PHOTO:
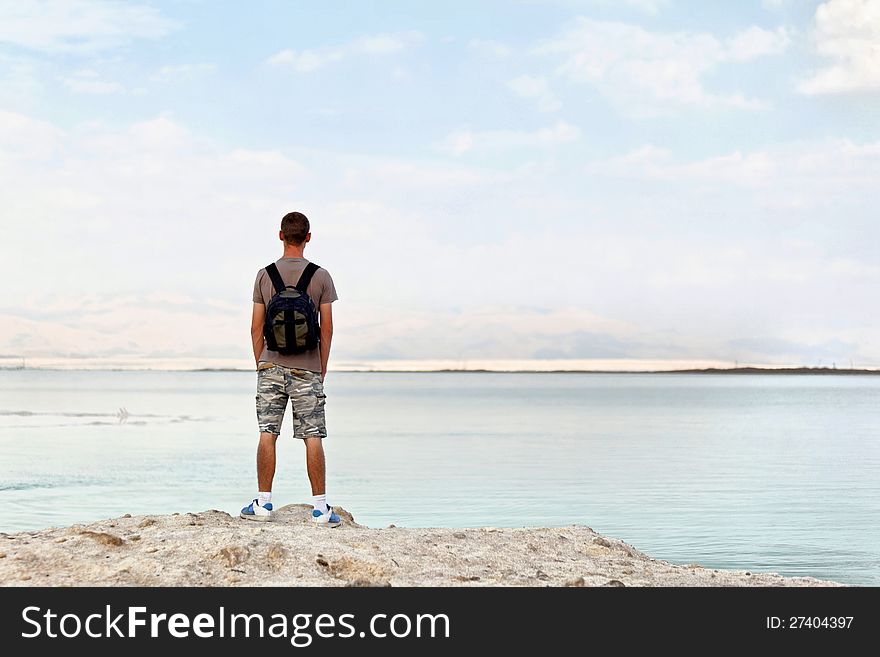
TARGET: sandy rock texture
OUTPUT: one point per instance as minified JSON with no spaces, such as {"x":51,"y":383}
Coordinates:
{"x":215,"y":549}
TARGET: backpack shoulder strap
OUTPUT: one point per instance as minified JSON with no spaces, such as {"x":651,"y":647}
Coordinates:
{"x":275,"y":277}
{"x":306,"y":278}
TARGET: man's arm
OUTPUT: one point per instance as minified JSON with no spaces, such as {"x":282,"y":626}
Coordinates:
{"x":257,"y":321}
{"x":326,"y":312}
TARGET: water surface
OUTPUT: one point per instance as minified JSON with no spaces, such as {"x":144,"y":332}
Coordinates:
{"x":762,"y":472}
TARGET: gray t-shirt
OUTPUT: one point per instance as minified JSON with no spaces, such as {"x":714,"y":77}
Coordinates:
{"x":321,"y":289}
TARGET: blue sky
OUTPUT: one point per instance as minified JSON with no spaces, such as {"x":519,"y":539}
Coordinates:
{"x":587,"y":181}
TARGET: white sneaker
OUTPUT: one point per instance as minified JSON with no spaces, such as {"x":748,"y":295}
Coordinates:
{"x":328,"y":519}
{"x":254,"y":511}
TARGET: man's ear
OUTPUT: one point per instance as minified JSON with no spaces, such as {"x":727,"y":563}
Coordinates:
{"x":281,"y":235}
{"x":308,"y":237}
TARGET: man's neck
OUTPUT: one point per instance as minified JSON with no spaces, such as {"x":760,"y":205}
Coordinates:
{"x":293,"y":252}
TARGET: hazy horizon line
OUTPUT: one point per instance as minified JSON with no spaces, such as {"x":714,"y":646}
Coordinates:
{"x":796,"y":370}
{"x":598,"y":365}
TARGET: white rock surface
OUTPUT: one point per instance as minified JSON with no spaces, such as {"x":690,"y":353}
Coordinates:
{"x":215,"y":549}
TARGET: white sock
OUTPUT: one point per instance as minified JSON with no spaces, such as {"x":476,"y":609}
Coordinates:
{"x":264,"y":498}
{"x":320,"y":502}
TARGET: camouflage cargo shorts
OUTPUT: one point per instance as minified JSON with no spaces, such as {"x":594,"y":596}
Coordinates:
{"x":276,"y":385}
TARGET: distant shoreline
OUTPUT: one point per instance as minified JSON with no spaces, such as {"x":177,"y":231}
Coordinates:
{"x":800,"y":371}
{"x":707,"y":370}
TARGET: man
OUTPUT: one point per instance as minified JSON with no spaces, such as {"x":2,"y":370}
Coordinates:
{"x":298,"y":378}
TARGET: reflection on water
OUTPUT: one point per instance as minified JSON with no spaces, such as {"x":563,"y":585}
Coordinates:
{"x":121,"y":416}
{"x":758,"y":472}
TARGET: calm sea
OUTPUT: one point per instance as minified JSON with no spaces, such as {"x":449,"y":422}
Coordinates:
{"x":762,"y":472}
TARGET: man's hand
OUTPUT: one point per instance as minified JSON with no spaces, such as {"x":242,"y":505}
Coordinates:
{"x":257,"y":321}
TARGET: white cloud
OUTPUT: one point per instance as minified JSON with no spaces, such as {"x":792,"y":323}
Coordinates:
{"x":59,"y":26}
{"x":128,"y":199}
{"x":20,"y":82}
{"x":647,"y":6}
{"x":655,"y":163}
{"x":651,"y":7}
{"x":87,"y":81}
{"x":305,"y":61}
{"x":181,"y":71}
{"x":464,"y":141}
{"x":788,"y":178}
{"x":757,"y":42}
{"x":847,"y":32}
{"x":489,"y":47}
{"x":24,"y":138}
{"x":536,"y":89}
{"x":384,"y":43}
{"x":650,"y":72}
{"x":105,"y":181}
{"x":648,"y":256}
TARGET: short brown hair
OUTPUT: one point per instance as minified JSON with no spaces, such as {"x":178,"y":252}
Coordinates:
{"x":295,"y":226}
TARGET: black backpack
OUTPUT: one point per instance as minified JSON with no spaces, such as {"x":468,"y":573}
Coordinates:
{"x":291,"y":325}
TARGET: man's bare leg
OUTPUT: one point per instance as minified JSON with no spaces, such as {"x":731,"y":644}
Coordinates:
{"x":314,"y":464}
{"x":261,"y":507}
{"x":266,"y":462}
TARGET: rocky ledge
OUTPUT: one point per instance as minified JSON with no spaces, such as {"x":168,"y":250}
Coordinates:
{"x":215,"y":549}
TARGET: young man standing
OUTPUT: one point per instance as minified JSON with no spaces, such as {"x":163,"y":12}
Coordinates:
{"x":297,"y":377}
